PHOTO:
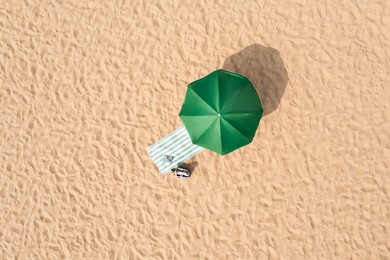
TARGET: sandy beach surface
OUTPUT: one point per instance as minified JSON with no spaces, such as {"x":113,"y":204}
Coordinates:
{"x":87,"y":86}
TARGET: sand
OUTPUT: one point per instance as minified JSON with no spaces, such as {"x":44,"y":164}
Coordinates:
{"x":87,"y":86}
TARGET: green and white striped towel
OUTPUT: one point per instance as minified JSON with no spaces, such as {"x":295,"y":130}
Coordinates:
{"x":177,"y":144}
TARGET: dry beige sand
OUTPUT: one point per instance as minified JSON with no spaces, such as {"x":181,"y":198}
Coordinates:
{"x":87,"y":86}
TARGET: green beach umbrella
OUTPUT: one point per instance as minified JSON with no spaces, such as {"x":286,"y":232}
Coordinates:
{"x":221,"y":111}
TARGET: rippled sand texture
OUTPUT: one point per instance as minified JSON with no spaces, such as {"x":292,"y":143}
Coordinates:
{"x":87,"y":86}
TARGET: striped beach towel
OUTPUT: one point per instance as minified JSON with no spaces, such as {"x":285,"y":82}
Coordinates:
{"x":176,"y":146}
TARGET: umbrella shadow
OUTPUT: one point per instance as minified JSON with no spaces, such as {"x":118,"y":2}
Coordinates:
{"x":189,"y":166}
{"x":264,"y":67}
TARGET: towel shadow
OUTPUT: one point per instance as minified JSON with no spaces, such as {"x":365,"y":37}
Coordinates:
{"x":264,"y":67}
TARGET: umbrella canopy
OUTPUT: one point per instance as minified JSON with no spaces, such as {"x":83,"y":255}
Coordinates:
{"x":221,"y":111}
